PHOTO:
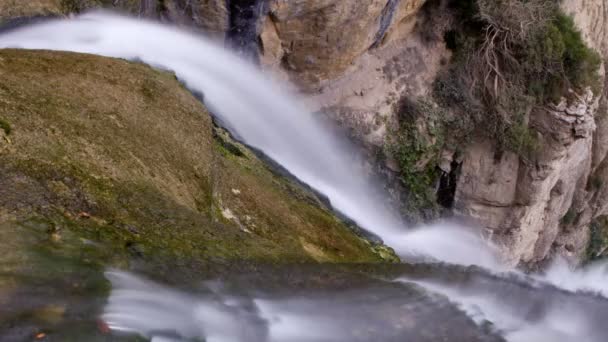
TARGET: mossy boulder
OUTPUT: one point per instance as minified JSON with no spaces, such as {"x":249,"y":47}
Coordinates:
{"x":18,"y":10}
{"x":115,"y":152}
{"x":10,"y":9}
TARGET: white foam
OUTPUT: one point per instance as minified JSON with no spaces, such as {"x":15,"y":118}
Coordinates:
{"x":591,"y":278}
{"x":449,"y":243}
{"x":542,"y":321}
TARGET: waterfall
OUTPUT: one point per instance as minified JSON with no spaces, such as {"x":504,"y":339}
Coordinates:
{"x":253,"y":108}
{"x":263,"y":115}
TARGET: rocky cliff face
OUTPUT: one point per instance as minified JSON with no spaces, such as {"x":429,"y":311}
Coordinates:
{"x":545,"y":205}
{"x":354,"y":60}
{"x":535,"y":207}
{"x":319,"y":40}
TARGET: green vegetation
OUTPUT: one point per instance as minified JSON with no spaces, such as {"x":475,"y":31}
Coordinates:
{"x":415,"y":145}
{"x":598,"y":239}
{"x":10,"y":9}
{"x":115,"y":164}
{"x":5,"y":126}
{"x":570,"y":217}
{"x":71,"y":6}
{"x":510,"y":58}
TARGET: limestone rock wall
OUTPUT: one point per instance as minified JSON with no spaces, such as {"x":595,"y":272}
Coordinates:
{"x":530,"y":205}
{"x":543,"y":206}
{"x":320,"y":39}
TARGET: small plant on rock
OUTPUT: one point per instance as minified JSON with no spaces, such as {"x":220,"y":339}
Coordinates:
{"x":511,"y":57}
{"x":5,"y":126}
{"x":415,"y":146}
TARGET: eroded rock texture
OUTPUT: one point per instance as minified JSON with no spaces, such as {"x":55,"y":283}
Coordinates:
{"x":320,"y":39}
{"x":531,"y":205}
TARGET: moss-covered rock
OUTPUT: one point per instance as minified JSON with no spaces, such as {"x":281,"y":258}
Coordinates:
{"x":76,"y":6}
{"x":24,"y":9}
{"x":19,"y":8}
{"x":116,"y":152}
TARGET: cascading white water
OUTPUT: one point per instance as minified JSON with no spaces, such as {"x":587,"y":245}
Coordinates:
{"x":382,"y":312}
{"x":525,"y":314}
{"x":520,"y":311}
{"x":155,"y":311}
{"x":268,"y":118}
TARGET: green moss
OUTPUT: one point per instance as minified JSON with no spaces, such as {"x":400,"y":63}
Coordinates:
{"x":264,"y":202}
{"x":225,"y":146}
{"x":5,"y":126}
{"x":10,"y":9}
{"x":570,"y":217}
{"x":595,"y":182}
{"x":598,"y":239}
{"x":415,"y":145}
{"x":71,"y":6}
{"x":386,"y":253}
{"x":147,"y":169}
{"x":148,"y":89}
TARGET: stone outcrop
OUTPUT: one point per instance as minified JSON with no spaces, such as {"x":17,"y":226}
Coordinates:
{"x":529,"y":204}
{"x":591,"y":16}
{"x":112,"y":150}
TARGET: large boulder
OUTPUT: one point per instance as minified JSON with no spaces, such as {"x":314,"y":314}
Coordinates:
{"x":116,"y":152}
